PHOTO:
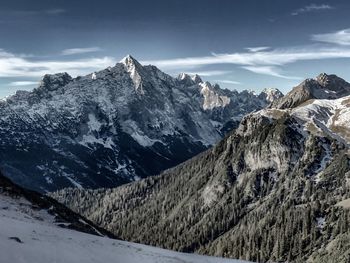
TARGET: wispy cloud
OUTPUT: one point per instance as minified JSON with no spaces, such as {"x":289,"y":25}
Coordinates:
{"x":75,"y":51}
{"x":52,"y":11}
{"x":12,"y":65}
{"x":311,"y":8}
{"x":341,"y":37}
{"x":268,"y":70}
{"x":265,"y":62}
{"x":226,"y":81}
{"x":23,"y":83}
{"x":210,"y":73}
{"x":256,"y":49}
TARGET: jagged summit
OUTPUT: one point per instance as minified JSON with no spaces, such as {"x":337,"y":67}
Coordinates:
{"x":197,"y":79}
{"x":271,"y":94}
{"x":334,"y":83}
{"x":325,"y":79}
{"x":188,"y":79}
{"x":129,"y":60}
{"x":55,"y":81}
{"x":184,"y":76}
{"x":135,"y":69}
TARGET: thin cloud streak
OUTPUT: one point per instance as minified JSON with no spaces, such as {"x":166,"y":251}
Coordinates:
{"x":23,"y":83}
{"x":269,"y":70}
{"x":341,"y":37}
{"x":12,"y":65}
{"x":311,"y":8}
{"x":256,"y":49}
{"x":226,"y":81}
{"x":258,"y":62}
{"x":75,"y":51}
{"x":210,"y":73}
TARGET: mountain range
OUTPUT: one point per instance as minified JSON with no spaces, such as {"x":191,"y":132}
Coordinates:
{"x":114,"y":126}
{"x":275,"y":189}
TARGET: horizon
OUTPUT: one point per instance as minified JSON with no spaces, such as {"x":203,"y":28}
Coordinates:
{"x":246,"y":46}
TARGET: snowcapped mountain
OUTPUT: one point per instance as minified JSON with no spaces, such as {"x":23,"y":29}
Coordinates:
{"x":276,"y":189}
{"x":270,"y":94}
{"x":113,"y":126}
{"x":36,"y":229}
{"x":322,"y":87}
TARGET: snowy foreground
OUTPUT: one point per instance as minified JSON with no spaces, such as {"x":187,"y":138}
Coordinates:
{"x":28,"y":235}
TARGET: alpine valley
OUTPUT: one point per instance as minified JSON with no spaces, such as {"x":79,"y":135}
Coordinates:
{"x":275,"y":189}
{"x":114,"y":126}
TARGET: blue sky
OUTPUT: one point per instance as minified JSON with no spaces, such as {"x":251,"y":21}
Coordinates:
{"x":238,"y":44}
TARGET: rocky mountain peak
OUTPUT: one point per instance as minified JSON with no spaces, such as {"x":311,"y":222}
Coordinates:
{"x":186,"y":79}
{"x":135,"y":69}
{"x":197,"y":79}
{"x":324,"y":86}
{"x":130,"y":61}
{"x":323,"y":78}
{"x":184,"y":76}
{"x":271,"y":94}
{"x":332,"y":82}
{"x":54,"y":81}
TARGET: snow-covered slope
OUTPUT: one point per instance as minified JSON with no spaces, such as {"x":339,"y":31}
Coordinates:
{"x":29,"y":234}
{"x":41,"y":243}
{"x":321,"y":117}
{"x":113,"y":126}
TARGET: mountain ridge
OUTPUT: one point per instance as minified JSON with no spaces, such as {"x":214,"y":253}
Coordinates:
{"x":113,"y":126}
{"x":324,"y":86}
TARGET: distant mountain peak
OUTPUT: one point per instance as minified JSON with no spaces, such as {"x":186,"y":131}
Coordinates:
{"x":129,"y":60}
{"x":268,"y":90}
{"x":183,"y":76}
{"x":331,"y":81}
{"x":134,"y":68}
{"x":197,"y":79}
{"x":324,"y":78}
{"x":188,"y":79}
{"x":324,"y":86}
{"x":271,"y":94}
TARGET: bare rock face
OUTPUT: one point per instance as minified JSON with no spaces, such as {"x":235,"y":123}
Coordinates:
{"x":114,"y":126}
